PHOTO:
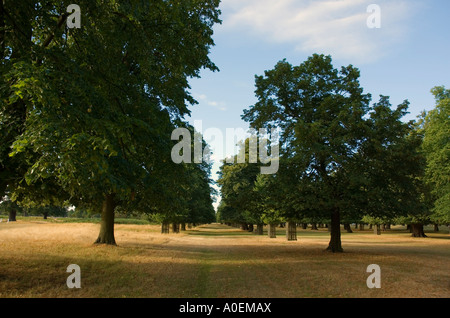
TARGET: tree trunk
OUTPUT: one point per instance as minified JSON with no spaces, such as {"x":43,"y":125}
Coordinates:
{"x":45,"y":216}
{"x":165,"y":226}
{"x":348,"y":228}
{"x":183,"y":226}
{"x":12,"y":215}
{"x":314,"y":226}
{"x":377,"y":229}
{"x":175,"y":228}
{"x":335,"y":244}
{"x":272,"y":230}
{"x":417,"y":230}
{"x":106,"y":235}
{"x":259,"y":229}
{"x":436,"y":227}
{"x":291,"y":231}
{"x":250,"y":227}
{"x":361,"y":226}
{"x":304,"y":226}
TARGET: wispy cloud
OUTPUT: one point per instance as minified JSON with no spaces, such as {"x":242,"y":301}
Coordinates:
{"x":202,"y":98}
{"x":336,"y":27}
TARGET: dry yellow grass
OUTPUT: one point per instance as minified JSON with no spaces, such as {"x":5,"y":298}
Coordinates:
{"x":216,"y":261}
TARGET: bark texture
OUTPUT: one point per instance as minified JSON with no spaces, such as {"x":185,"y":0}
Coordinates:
{"x":335,"y":244}
{"x":165,"y":228}
{"x":417,"y":230}
{"x":12,"y":215}
{"x":291,"y":231}
{"x":272,"y":231}
{"x":106,"y":235}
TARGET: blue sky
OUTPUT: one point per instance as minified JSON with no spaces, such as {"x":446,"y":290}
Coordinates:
{"x":403,"y":59}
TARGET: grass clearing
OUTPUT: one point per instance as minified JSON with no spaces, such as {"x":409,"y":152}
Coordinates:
{"x":216,"y":261}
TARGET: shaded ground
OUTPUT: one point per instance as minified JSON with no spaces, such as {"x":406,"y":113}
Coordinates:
{"x":217,"y":261}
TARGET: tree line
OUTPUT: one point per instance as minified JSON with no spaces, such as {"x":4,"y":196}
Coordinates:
{"x":343,"y":158}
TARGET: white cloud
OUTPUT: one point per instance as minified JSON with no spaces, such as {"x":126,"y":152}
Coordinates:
{"x":336,"y":27}
{"x":202,"y":98}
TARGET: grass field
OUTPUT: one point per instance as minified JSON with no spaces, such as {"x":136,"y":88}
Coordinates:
{"x":216,"y":261}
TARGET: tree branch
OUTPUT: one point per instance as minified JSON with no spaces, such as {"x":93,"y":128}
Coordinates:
{"x":61,"y":20}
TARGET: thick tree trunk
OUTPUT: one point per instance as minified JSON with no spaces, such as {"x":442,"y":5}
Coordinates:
{"x":377,"y":229}
{"x":436,"y":227}
{"x":12,"y":215}
{"x":45,"y":216}
{"x":335,"y":244}
{"x":417,"y":230}
{"x":291,"y":231}
{"x":314,"y":227}
{"x":165,"y":226}
{"x":259,"y":229}
{"x":183,"y":226}
{"x":250,"y":227}
{"x":304,"y":226}
{"x":361,"y":226}
{"x":348,"y":228}
{"x":106,"y":235}
{"x":175,"y":228}
{"x":272,"y":230}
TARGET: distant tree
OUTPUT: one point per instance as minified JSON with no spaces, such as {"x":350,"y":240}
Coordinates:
{"x":10,"y":208}
{"x":393,"y":168}
{"x":240,"y":202}
{"x":47,"y":211}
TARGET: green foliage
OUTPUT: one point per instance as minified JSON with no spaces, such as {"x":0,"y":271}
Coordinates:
{"x":237,"y":182}
{"x":340,"y":155}
{"x":436,"y":147}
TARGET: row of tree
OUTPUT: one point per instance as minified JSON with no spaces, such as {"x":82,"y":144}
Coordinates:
{"x":86,"y":114}
{"x":341,"y":157}
{"x":12,"y":209}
